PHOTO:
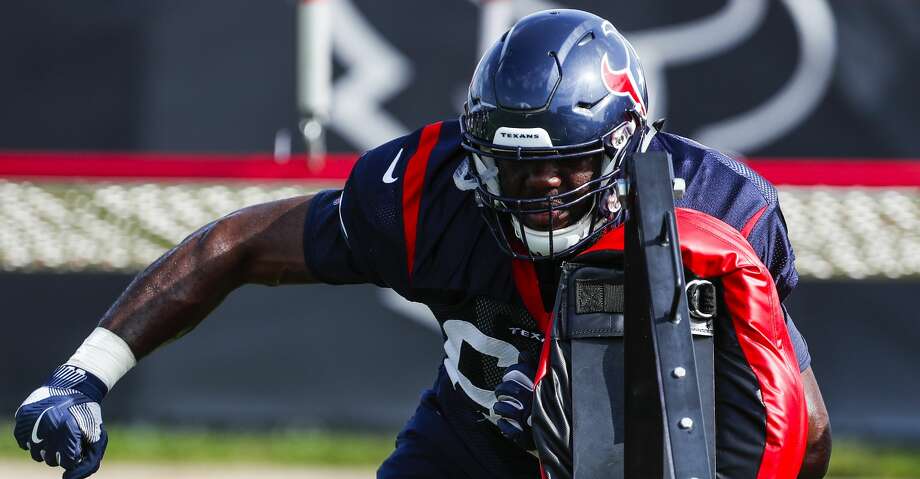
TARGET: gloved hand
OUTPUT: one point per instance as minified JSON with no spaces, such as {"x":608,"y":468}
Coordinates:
{"x":60,"y":423}
{"x":514,"y":403}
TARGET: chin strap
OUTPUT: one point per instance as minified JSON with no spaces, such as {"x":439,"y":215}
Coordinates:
{"x":538,"y":242}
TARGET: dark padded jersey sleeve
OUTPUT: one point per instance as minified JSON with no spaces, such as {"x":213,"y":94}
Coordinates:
{"x":327,"y":252}
{"x":355,"y":235}
{"x":798,"y":342}
{"x":770,"y":238}
{"x":729,"y":190}
{"x":401,"y":222}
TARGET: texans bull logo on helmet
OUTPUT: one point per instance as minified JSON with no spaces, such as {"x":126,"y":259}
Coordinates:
{"x":621,"y":82}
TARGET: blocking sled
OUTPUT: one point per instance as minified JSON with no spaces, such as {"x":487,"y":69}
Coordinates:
{"x":643,"y":377}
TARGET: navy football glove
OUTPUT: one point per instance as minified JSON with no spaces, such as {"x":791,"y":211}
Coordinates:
{"x":514,"y":403}
{"x":60,"y":423}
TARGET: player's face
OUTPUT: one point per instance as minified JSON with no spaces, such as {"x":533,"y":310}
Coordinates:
{"x":537,"y":179}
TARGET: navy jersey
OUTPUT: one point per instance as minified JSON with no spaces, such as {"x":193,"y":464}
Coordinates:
{"x":405,"y":221}
{"x":727,"y":189}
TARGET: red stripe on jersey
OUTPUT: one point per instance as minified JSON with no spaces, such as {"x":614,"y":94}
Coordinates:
{"x":746,"y":230}
{"x":413,"y":184}
{"x":528,"y":287}
{"x":710,"y":248}
{"x":543,"y":363}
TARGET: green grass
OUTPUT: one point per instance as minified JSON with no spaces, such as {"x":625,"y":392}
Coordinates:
{"x":854,"y":459}
{"x":149,"y":444}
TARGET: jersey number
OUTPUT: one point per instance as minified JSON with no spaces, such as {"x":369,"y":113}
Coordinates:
{"x":457,"y":333}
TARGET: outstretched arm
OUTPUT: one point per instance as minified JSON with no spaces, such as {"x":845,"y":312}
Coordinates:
{"x":259,"y":244}
{"x":60,"y":423}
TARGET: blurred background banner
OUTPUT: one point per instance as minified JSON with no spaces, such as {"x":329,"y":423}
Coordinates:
{"x":127,"y":125}
{"x":765,"y":78}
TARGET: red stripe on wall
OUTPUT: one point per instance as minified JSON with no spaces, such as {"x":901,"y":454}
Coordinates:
{"x":170,"y":166}
{"x":413,"y":184}
{"x":838,"y":172}
{"x":263,"y":166}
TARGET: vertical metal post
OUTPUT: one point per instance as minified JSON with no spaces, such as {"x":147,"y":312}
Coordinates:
{"x":314,"y":74}
{"x":495,"y":18}
{"x":665,"y":435}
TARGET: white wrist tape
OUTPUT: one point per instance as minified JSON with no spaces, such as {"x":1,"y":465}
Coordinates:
{"x":105,"y":355}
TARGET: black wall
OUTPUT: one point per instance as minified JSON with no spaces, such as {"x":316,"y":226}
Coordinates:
{"x":338,"y":357}
{"x":219,"y":75}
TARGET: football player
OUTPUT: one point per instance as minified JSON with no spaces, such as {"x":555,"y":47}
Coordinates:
{"x":471,"y":217}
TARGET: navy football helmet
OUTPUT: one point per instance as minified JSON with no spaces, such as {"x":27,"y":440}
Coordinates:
{"x":560,"y":85}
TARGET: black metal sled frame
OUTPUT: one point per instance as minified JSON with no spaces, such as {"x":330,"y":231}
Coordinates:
{"x":665,"y":433}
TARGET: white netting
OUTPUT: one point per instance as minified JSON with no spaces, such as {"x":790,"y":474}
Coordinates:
{"x":110,"y":226}
{"x":836,"y":232}
{"x":854,"y":232}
